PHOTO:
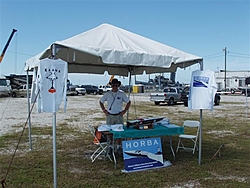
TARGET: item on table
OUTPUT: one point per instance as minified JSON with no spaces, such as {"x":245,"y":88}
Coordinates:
{"x":144,"y":122}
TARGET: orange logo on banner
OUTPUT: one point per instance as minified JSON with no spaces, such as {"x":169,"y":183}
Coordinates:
{"x":52,"y":90}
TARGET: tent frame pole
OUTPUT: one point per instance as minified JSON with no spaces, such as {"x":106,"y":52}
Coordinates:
{"x":28,"y":101}
{"x":129,"y":90}
{"x":53,"y":56}
{"x":200,"y":133}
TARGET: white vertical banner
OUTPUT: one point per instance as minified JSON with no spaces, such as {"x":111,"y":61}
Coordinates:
{"x":52,"y":83}
{"x":202,"y":90}
{"x":201,"y":95}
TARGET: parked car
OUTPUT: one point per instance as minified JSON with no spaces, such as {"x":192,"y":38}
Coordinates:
{"x":21,"y":91}
{"x":80,"y":90}
{"x":92,"y":89}
{"x":243,"y":91}
{"x":105,"y":88}
{"x":170,"y":95}
{"x":185,"y":93}
{"x":125,"y":88}
{"x":71,"y":90}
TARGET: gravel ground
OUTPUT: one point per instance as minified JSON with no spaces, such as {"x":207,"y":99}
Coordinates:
{"x":14,"y":111}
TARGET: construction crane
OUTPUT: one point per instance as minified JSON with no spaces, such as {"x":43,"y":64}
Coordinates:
{"x":7,"y":44}
{"x":111,"y":78}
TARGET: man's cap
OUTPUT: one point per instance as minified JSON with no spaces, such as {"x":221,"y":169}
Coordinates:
{"x":115,"y":82}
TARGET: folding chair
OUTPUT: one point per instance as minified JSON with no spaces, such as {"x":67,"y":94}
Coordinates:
{"x":102,"y":146}
{"x":188,"y":126}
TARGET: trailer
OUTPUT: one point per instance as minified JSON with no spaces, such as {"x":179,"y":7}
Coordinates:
{"x":5,"y":88}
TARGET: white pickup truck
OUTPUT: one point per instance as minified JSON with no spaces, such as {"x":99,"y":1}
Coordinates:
{"x":21,"y":91}
{"x":170,"y":95}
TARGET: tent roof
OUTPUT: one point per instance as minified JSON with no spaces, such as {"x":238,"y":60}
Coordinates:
{"x":112,"y":49}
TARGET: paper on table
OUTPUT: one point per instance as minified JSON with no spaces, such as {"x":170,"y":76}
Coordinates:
{"x":165,"y":121}
{"x":117,"y":127}
{"x":104,"y":127}
{"x":171,"y":126}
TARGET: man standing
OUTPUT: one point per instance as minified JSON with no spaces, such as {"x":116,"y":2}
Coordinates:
{"x":114,"y":111}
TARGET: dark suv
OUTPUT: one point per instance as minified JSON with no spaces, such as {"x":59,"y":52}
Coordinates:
{"x":185,"y":93}
{"x":92,"y":89}
{"x":243,"y":91}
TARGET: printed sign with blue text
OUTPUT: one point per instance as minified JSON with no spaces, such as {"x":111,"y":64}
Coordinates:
{"x":201,"y":81}
{"x":142,"y":154}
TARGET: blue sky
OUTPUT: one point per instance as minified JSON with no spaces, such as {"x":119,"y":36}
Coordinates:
{"x":203,"y":28}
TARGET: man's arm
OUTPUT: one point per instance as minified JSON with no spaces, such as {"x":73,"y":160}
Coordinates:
{"x":126,"y":108}
{"x":103,"y":108}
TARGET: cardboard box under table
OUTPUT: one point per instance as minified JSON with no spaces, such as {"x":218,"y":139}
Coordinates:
{"x":157,"y":131}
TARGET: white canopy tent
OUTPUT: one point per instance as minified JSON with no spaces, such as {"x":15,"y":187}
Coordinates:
{"x":112,"y":49}
{"x":117,"y":51}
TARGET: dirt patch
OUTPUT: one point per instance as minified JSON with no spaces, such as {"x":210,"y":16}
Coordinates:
{"x":83,"y":110}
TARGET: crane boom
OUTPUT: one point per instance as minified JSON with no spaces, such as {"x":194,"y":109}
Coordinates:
{"x":7,"y":44}
{"x":111,"y":78}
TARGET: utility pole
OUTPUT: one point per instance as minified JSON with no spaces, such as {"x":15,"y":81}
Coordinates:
{"x":225,"y":79}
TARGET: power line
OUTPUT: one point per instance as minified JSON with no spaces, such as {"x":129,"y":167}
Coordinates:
{"x":222,"y":54}
{"x":240,"y":53}
{"x":238,"y":56}
{"x":212,"y":55}
{"x":20,"y":53}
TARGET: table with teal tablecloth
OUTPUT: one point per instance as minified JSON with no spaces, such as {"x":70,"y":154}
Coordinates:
{"x":157,"y":131}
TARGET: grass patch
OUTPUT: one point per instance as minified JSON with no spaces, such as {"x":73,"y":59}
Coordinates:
{"x":75,"y":170}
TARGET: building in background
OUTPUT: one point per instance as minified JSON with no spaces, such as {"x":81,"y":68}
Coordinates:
{"x":234,"y":79}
